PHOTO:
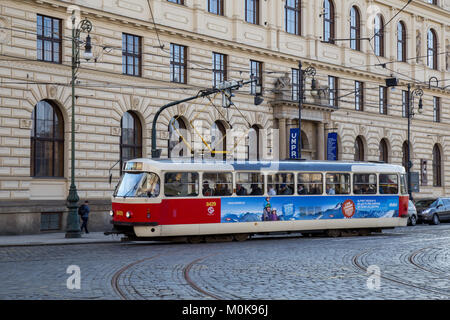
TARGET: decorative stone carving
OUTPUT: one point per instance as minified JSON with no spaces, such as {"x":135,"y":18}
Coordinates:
{"x":283,"y":88}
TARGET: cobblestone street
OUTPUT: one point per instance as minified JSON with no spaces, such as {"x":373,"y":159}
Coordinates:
{"x":412,"y":263}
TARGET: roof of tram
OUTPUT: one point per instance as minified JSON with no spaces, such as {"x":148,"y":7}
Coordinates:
{"x":183,"y":164}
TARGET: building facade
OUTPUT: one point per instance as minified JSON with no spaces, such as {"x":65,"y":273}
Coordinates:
{"x":150,"y":53}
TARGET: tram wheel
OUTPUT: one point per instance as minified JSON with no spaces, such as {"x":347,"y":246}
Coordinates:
{"x":195,"y":239}
{"x":334,"y":233}
{"x":364,"y":232}
{"x":240,"y":237}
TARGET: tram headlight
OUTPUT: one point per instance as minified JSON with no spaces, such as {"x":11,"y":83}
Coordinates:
{"x":128,"y":214}
{"x":111,"y":213}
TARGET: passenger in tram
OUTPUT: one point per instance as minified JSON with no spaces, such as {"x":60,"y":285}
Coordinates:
{"x":285,"y":190}
{"x":330,"y":190}
{"x":240,"y":190}
{"x":222,"y":190}
{"x":207,"y":191}
{"x":272,"y":191}
{"x":175,"y":187}
{"x":256,"y":190}
{"x":301,"y":189}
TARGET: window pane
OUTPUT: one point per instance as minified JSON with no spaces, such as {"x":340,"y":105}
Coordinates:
{"x":181,"y":184}
{"x":309,"y":183}
{"x":280,"y":184}
{"x":252,"y":182}
{"x":388,"y":184}
{"x":364,"y":183}
{"x":337,"y":183}
{"x":217,"y":184}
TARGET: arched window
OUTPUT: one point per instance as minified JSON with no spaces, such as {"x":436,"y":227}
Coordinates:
{"x":401,"y":41}
{"x":131,"y":137}
{"x":177,"y":131}
{"x":379,"y":35}
{"x":437,"y":167}
{"x":254,"y":141}
{"x":405,"y":154}
{"x":328,"y":21}
{"x":359,"y":149}
{"x":47,"y":141}
{"x":355,"y":29}
{"x":384,"y":157}
{"x":218,"y":141}
{"x":432,"y":45}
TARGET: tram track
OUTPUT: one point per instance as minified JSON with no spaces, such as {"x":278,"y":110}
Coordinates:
{"x":412,"y":258}
{"x":357,"y":262}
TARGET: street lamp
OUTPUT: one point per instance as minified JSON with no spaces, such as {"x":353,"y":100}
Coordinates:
{"x":310,"y":71}
{"x":410,"y":113}
{"x":73,"y":223}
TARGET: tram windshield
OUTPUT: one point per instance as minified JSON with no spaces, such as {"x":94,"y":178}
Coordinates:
{"x":138,"y":184}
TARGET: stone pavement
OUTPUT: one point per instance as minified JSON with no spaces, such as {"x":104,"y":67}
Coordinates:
{"x":56,"y":238}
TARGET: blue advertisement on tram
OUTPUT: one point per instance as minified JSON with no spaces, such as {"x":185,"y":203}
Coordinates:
{"x":248,"y":209}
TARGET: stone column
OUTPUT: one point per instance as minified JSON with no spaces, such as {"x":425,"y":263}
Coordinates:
{"x":320,"y":141}
{"x":283,"y":136}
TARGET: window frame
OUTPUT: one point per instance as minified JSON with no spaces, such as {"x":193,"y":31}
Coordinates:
{"x":196,"y":183}
{"x":219,"y":59}
{"x":380,"y":185}
{"x":333,"y":86}
{"x":41,"y":38}
{"x":256,"y":70}
{"x":436,"y":109}
{"x":136,"y":146}
{"x":359,"y":95}
{"x":254,"y":9}
{"x":401,"y":41}
{"x":432,"y":50}
{"x":309,"y":183}
{"x":297,"y":13}
{"x":275,"y":177}
{"x":178,"y":62}
{"x":382,"y":100}
{"x":126,"y":54}
{"x":355,"y":28}
{"x":379,"y":43}
{"x":237,"y":181}
{"x":218,"y":4}
{"x":349,"y":184}
{"x":354,"y":182}
{"x":57,"y":163}
{"x":329,"y":19}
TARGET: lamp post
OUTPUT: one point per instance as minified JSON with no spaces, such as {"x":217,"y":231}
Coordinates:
{"x":310,"y":71}
{"x":410,"y":113}
{"x":73,"y":223}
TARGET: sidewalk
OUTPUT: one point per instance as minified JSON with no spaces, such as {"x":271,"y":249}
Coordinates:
{"x":56,"y":238}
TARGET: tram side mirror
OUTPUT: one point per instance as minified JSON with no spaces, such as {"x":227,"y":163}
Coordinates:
{"x":110,"y":178}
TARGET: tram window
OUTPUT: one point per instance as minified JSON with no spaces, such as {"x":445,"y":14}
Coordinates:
{"x":364,"y":183}
{"x":217,"y":184}
{"x":149,"y":186}
{"x":388,"y":184}
{"x":181,"y":184}
{"x":309,"y":183}
{"x":337,"y":183}
{"x":403,"y":184}
{"x":280,"y":184}
{"x":249,"y":183}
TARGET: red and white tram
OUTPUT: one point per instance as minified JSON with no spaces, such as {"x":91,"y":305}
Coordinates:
{"x":164,"y":199}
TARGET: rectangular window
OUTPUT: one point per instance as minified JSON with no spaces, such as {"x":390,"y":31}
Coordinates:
{"x":177,"y":63}
{"x":309,"y":183}
{"x":436,"y":109}
{"x":255,"y":71}
{"x":249,"y":183}
{"x":333,"y":91}
{"x":383,"y":100}
{"x":280,"y":184}
{"x":295,"y":87}
{"x":50,"y":221}
{"x":219,"y":68}
{"x":181,"y":184}
{"x":364,"y":183}
{"x":131,"y":55}
{"x":217,"y":184}
{"x":252,"y":11}
{"x":292,"y":18}
{"x":388,"y":184}
{"x":405,"y":104}
{"x":216,"y":7}
{"x":177,"y":1}
{"x":403,"y":184}
{"x":49,"y":39}
{"x":359,"y":96}
{"x":337,"y":183}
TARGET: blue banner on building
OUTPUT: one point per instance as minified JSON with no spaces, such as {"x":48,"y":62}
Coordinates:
{"x":293,"y":143}
{"x":332,"y":146}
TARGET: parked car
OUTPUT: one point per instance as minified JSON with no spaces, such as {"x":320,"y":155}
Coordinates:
{"x":412,"y":214}
{"x":433,"y":210}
